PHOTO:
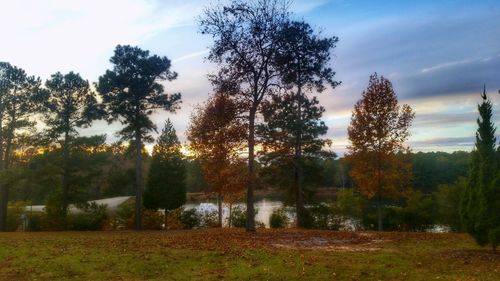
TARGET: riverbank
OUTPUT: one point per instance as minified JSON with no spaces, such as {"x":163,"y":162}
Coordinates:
{"x":233,"y":254}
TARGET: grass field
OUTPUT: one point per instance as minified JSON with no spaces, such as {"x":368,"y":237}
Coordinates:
{"x":232,"y":254}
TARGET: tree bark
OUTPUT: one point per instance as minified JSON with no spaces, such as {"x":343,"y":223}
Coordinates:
{"x":138,"y":181}
{"x":219,"y":206}
{"x":3,"y":189}
{"x":250,"y":223}
{"x":299,"y":174}
{"x":65,"y":181}
{"x":379,"y":213}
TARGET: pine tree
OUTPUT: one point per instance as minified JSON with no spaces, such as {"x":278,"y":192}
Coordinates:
{"x":480,"y":208}
{"x":166,"y":188}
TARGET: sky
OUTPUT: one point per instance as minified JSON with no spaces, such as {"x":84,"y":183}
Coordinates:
{"x":437,"y":54}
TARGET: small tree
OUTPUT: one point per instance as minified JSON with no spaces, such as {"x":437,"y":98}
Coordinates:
{"x":131,"y":93}
{"x":166,"y":187}
{"x":480,"y":206}
{"x":381,"y":166}
{"x":69,"y":104}
{"x":216,"y":136}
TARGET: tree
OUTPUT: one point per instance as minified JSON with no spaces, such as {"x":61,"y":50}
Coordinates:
{"x":302,"y":63}
{"x":246,"y":38}
{"x":216,"y":137}
{"x":69,"y":104}
{"x":381,"y":165}
{"x":480,"y":206}
{"x":131,"y":92}
{"x":17,"y":107}
{"x":291,"y":143}
{"x":166,"y":186}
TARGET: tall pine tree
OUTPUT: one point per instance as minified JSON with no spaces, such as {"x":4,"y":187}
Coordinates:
{"x":480,"y":208}
{"x":166,"y":188}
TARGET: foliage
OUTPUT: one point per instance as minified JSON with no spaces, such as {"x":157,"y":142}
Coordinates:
{"x":349,"y":206}
{"x":279,"y":218}
{"x":131,"y":92}
{"x":381,"y":165}
{"x":166,"y":181}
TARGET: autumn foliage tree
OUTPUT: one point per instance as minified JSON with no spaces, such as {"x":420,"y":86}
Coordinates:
{"x":217,"y":137}
{"x":381,"y":164}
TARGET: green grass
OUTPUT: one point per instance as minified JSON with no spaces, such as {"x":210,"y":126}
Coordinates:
{"x":235,"y":255}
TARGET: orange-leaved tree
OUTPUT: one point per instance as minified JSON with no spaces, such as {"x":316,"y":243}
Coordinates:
{"x":217,"y":138}
{"x":381,"y":164}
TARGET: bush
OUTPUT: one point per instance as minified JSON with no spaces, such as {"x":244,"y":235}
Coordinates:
{"x":238,"y":217}
{"x":190,"y":218}
{"x":152,"y":219}
{"x":173,"y":219}
{"x":447,"y":199}
{"x":279,"y":218}
{"x":91,"y":217}
{"x":322,"y":216}
{"x":37,"y":221}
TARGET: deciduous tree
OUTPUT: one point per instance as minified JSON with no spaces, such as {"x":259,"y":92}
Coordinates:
{"x":245,"y":35}
{"x":381,"y":165}
{"x":216,"y":137}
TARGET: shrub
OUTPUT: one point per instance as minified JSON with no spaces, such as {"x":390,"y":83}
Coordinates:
{"x":152,"y":219}
{"x":279,"y":218}
{"x":239,"y":217}
{"x":173,"y":219}
{"x":91,"y":217}
{"x":322,"y":216}
{"x":37,"y":221}
{"x":190,"y":218}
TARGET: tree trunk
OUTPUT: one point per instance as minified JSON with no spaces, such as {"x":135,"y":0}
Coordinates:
{"x":65,"y":181}
{"x":230,"y":223}
{"x":166,"y":219}
{"x":299,"y":176}
{"x":3,"y":189}
{"x":379,"y":213}
{"x":250,"y":223}
{"x":219,"y":206}
{"x":138,"y":181}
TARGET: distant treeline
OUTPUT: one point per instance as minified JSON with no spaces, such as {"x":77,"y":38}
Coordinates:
{"x":111,"y":172}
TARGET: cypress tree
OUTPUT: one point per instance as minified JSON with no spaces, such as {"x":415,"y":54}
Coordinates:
{"x":480,"y":208}
{"x":166,"y":181}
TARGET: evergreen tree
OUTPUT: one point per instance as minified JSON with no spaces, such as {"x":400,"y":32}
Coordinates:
{"x":280,"y":135}
{"x":131,"y":93}
{"x":166,"y":187}
{"x":302,"y":62}
{"x":480,"y":208}
{"x":69,"y":103}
